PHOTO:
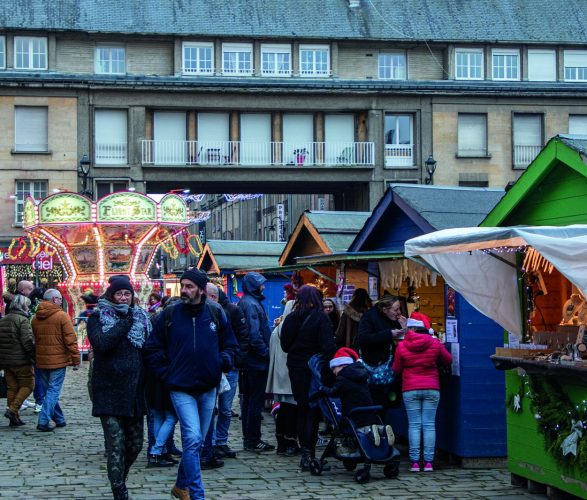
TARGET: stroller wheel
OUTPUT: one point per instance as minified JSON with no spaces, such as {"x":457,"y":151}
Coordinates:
{"x":362,"y":476}
{"x":349,"y":464}
{"x":391,"y":470}
{"x":315,"y":467}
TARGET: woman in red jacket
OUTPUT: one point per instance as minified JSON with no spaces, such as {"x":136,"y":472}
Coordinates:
{"x":416,"y":360}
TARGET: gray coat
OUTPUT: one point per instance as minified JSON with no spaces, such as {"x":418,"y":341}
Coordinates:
{"x":278,"y":382}
{"x":16,"y":341}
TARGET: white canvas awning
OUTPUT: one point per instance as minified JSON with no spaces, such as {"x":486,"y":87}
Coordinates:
{"x":477,"y":264}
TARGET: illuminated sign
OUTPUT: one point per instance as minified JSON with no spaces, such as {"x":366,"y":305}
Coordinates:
{"x":129,"y":207}
{"x":173,"y":209}
{"x":65,"y":207}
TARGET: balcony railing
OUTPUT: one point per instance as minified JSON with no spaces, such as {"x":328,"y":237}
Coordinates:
{"x":111,"y":153}
{"x":524,"y":155}
{"x":399,"y":155}
{"x":257,"y":153}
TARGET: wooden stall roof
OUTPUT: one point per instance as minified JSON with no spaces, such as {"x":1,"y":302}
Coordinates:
{"x":227,"y":255}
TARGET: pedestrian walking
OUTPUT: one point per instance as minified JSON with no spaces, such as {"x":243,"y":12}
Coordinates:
{"x":17,"y":355}
{"x":256,"y":364}
{"x":191,"y":346}
{"x":118,"y":331}
{"x":55,"y":349}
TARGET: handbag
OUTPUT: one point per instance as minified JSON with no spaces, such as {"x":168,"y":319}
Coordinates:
{"x":381,"y":374}
{"x":3,"y":386}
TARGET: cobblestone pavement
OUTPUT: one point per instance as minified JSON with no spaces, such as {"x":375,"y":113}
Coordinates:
{"x":68,"y":464}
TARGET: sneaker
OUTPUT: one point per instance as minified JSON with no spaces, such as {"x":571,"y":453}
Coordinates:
{"x":390,"y":435}
{"x":61,"y":424}
{"x":224,"y":451}
{"x":428,"y":467}
{"x":322,"y":442}
{"x":38,"y":408}
{"x":259,"y":447}
{"x":376,"y":436}
{"x":27,"y":404}
{"x":415,"y":467}
{"x":44,"y":428}
{"x":211,"y":463}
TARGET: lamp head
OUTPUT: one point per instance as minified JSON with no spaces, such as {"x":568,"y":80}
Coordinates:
{"x":84,"y":165}
{"x":430,"y":165}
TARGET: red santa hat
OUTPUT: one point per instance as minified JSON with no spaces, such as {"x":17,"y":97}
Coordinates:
{"x":421,"y":317}
{"x":344,"y":356}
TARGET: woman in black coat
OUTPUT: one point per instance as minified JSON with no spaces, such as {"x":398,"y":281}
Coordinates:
{"x":306,"y":331}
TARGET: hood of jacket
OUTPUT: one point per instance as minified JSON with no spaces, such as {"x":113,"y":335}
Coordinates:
{"x":222,"y":298}
{"x":355,"y":373}
{"x":251,"y":284}
{"x":418,"y":342}
{"x":352,"y":313}
{"x":47,"y":309}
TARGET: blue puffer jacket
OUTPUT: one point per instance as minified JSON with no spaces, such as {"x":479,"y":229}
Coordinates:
{"x":190,"y":354}
{"x":259,"y":332}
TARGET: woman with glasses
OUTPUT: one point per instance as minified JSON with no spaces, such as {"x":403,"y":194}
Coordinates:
{"x":117,"y":332}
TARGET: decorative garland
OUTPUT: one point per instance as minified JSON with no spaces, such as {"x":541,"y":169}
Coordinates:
{"x":22,"y":246}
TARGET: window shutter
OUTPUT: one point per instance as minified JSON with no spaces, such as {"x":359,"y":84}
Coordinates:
{"x":575,"y":59}
{"x":30,"y":129}
{"x":528,"y":130}
{"x":578,"y":124}
{"x":472,"y":134}
{"x":542,"y":65}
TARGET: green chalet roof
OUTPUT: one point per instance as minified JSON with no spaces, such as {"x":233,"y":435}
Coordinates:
{"x":507,"y":21}
{"x":551,"y":192}
{"x":227,"y":255}
{"x":337,"y":229}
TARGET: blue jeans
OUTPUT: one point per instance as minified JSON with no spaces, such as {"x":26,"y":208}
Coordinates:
{"x":218,"y":431}
{"x":39,"y":390}
{"x":194,"y":413}
{"x":52,"y":381}
{"x":421,"y":408}
{"x":163,"y":424}
{"x":254,"y":382}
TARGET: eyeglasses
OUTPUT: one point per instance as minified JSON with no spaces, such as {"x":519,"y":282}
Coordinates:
{"x":118,"y":295}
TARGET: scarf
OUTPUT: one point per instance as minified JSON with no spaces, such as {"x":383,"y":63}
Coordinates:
{"x":111,"y":313}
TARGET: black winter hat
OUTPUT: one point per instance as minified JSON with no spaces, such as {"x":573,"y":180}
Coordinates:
{"x":118,"y":283}
{"x":200,"y":278}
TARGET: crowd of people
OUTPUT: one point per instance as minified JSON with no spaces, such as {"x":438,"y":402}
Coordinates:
{"x":184,"y":359}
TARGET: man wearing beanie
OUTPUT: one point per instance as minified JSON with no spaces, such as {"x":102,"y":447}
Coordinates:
{"x":256,"y":363}
{"x":191,"y":346}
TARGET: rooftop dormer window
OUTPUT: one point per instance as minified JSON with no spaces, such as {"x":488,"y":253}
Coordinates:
{"x":110,"y":60}
{"x":30,"y":52}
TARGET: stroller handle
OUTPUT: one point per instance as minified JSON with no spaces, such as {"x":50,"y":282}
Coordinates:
{"x":362,"y":409}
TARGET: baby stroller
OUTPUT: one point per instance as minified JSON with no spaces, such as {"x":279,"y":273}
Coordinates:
{"x":345,"y":430}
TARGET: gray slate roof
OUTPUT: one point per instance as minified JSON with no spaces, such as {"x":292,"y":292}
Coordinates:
{"x":576,"y":142}
{"x":337,"y":229}
{"x":448,"y":207}
{"x":441,"y":20}
{"x":235,"y":254}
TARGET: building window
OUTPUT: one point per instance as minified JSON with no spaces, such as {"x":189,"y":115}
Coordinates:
{"x":578,"y":124}
{"x":527,"y":139}
{"x":469,"y":64}
{"x":24,"y":189}
{"x":110,"y":136}
{"x":106,"y":187}
{"x":2,"y":52}
{"x":399,"y":147}
{"x":30,"y":52}
{"x":472,"y":134}
{"x":237,"y":58}
{"x":392,"y":66}
{"x":30,"y":129}
{"x":198,"y":58}
{"x":506,"y":64}
{"x":541,"y":65}
{"x":314,"y":60}
{"x":275,"y":60}
{"x":575,"y":65}
{"x":110,"y":61}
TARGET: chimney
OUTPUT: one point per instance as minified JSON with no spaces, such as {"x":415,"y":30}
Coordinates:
{"x":354,"y":3}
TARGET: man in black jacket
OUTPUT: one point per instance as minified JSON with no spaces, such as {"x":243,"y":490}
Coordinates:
{"x":216,"y":444}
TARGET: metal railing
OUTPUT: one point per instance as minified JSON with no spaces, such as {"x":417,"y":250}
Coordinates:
{"x":299,"y":154}
{"x":399,"y":155}
{"x":525,"y":154}
{"x":111,"y":153}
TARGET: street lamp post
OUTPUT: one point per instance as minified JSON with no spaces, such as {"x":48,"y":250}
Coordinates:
{"x":83,"y":170}
{"x":430,"y":164}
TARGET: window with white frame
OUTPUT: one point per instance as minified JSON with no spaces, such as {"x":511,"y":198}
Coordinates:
{"x":314,"y":60}
{"x":2,"y":52}
{"x":198,"y":58}
{"x":275,"y":60}
{"x":399,"y":146}
{"x":575,"y":65}
{"x":24,"y":189}
{"x":392,"y":66}
{"x":110,"y":60}
{"x":578,"y":124}
{"x":237,"y":58}
{"x":472,"y":134}
{"x":505,"y":64}
{"x":30,"y":129}
{"x":469,"y":64}
{"x":106,"y":187}
{"x":30,"y":52}
{"x":110,"y":132}
{"x":527,"y":138}
{"x":541,"y":65}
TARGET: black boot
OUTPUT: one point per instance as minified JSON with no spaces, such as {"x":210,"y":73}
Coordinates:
{"x":305,"y":460}
{"x":281,"y":444}
{"x":120,"y":492}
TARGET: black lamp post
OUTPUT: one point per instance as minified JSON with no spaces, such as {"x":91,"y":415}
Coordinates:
{"x":430,"y":164}
{"x":83,"y":170}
